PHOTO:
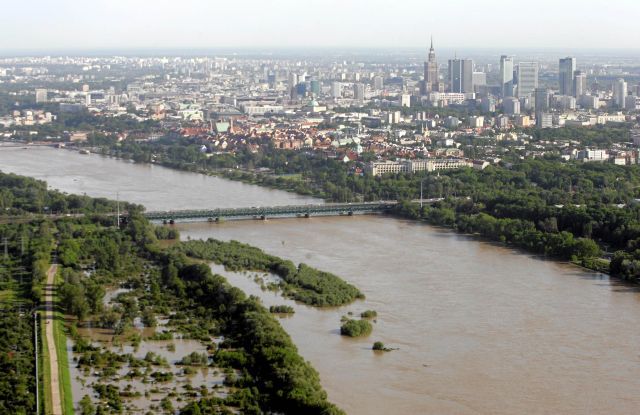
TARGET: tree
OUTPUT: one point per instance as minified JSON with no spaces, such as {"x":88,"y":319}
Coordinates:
{"x":86,"y":406}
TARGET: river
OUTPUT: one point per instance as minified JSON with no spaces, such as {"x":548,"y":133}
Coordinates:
{"x":481,"y":329}
{"x":156,"y":187}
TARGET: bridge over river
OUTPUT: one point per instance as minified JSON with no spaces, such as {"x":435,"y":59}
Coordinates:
{"x":273,"y":212}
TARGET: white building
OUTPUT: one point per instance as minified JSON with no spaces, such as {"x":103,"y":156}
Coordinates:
{"x":378,"y":168}
{"x":41,"y":96}
{"x":593,"y":155}
{"x":450,"y":97}
{"x":619,"y":93}
{"x":476,"y":122}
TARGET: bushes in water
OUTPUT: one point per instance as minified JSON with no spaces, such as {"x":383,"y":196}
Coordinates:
{"x":369,"y":314}
{"x":356,"y":328}
{"x":281,"y":309}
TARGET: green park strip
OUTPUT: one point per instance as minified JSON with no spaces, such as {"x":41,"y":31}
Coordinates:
{"x":44,"y":368}
{"x":60,"y":334}
{"x":60,"y":340}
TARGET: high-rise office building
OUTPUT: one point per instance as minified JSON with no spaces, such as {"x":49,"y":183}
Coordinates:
{"x":461,"y":75}
{"x":431,"y":72}
{"x":619,"y":93}
{"x":566,"y":75}
{"x":579,"y":84}
{"x":527,"y":78}
{"x":506,"y":75}
{"x":542,"y":100}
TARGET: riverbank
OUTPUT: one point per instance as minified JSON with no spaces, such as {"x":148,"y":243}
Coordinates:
{"x":260,"y":179}
{"x":293,"y":184}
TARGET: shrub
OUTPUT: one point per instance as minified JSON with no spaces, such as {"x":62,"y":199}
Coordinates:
{"x":356,"y":328}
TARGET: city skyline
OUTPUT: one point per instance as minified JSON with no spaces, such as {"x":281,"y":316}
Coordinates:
{"x":72,"y":25}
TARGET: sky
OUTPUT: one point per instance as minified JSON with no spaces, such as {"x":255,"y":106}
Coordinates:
{"x":53,"y":25}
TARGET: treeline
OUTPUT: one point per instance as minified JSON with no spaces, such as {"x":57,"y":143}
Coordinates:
{"x":602,"y":136}
{"x":20,"y":195}
{"x":302,"y":283}
{"x":22,"y":272}
{"x":566,"y":210}
{"x":103,"y":130}
{"x":519,"y":232}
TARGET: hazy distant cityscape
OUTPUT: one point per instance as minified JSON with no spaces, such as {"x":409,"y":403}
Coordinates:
{"x":397,"y":107}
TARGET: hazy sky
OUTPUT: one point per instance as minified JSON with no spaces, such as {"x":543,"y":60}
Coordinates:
{"x":129,"y":24}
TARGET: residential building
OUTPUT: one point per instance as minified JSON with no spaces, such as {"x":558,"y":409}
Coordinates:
{"x":358,"y":92}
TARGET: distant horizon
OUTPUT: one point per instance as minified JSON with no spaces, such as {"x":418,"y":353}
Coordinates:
{"x":151,"y":51}
{"x":75,"y":25}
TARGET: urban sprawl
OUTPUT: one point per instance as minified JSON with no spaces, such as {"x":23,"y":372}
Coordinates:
{"x":386,"y":115}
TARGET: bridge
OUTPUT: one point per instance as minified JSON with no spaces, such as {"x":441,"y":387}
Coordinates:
{"x":273,"y":212}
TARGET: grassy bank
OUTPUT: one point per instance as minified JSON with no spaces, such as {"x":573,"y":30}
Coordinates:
{"x":60,"y":333}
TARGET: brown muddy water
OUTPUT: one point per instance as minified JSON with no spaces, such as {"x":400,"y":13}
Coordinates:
{"x":481,"y":329}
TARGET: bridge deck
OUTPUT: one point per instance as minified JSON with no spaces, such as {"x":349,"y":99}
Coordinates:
{"x":328,"y":209}
{"x":257,"y":212}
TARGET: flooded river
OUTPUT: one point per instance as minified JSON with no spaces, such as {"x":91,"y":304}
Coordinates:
{"x":155,"y":187}
{"x":481,"y":329}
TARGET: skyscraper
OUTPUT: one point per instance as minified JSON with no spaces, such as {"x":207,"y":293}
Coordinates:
{"x":579,"y":84}
{"x":566,"y":75}
{"x":527,"y":78}
{"x":431,"y":71}
{"x":461,"y":75}
{"x":506,"y":75}
{"x":542,"y":100}
{"x":619,"y":93}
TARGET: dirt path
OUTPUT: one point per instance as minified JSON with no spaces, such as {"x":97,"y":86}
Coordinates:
{"x":51,"y":342}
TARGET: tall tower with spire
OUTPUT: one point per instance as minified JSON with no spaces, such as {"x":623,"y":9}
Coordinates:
{"x":431,"y":82}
